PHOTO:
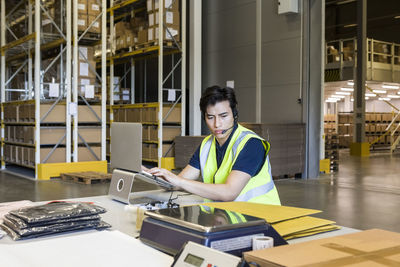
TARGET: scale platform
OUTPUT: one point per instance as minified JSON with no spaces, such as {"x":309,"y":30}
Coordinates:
{"x":227,"y":231}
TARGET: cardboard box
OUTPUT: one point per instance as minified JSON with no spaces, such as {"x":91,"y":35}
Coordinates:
{"x":153,"y":151}
{"x":168,"y":150}
{"x":85,"y":114}
{"x":170,"y":18}
{"x":121,"y":27}
{"x":84,"y":153}
{"x":82,"y":82}
{"x":29,"y":135}
{"x":56,"y":115}
{"x":142,"y":36}
{"x":31,"y":152}
{"x":90,"y":134}
{"x":85,"y":71}
{"x":172,"y":5}
{"x":134,"y":115}
{"x":86,"y":52}
{"x":366,"y":248}
{"x":172,"y":32}
{"x":82,"y":22}
{"x":174,"y":116}
{"x":94,"y":8}
{"x":145,"y":151}
{"x":57,"y":156}
{"x":153,"y":132}
{"x":130,"y":39}
{"x":96,"y":27}
{"x":170,"y":132}
{"x":146,"y":133}
{"x":82,"y":7}
{"x":7,"y":152}
{"x":119,"y":115}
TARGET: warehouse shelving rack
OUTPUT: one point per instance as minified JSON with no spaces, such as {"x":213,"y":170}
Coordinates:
{"x":383,"y":60}
{"x":27,"y":51}
{"x":159,"y":50}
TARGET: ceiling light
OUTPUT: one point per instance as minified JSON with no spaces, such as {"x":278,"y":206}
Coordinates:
{"x":397,"y":17}
{"x":337,"y":96}
{"x":347,"y":89}
{"x":369,"y":94}
{"x":343,"y":93}
{"x":384,"y":98}
{"x":390,"y":86}
{"x":366,"y":98}
{"x":350,"y":83}
{"x":379,"y":91}
{"x":331,"y":100}
{"x":352,"y":100}
{"x":394,"y":96}
{"x":350,"y":25}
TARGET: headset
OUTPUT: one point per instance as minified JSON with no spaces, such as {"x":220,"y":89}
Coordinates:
{"x":235,"y":117}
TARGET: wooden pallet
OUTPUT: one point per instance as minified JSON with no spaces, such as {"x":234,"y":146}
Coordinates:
{"x":86,"y":177}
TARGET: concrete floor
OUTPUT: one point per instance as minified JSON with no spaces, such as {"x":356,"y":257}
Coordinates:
{"x":364,"y":194}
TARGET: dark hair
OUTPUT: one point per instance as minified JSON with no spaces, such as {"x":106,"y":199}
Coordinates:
{"x":215,"y":94}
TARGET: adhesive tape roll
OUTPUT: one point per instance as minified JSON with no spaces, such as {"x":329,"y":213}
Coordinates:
{"x":261,"y":242}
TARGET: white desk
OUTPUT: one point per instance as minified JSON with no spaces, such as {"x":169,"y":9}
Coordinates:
{"x":117,"y":247}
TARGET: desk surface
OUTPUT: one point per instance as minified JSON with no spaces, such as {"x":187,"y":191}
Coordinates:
{"x":105,"y":248}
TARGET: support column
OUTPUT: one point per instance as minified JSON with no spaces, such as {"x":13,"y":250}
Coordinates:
{"x":37,"y":85}
{"x":258,"y":60}
{"x":195,"y":62}
{"x":359,"y":147}
{"x":103,"y":77}
{"x":2,"y":72}
{"x":312,"y":82}
{"x":68,"y":81}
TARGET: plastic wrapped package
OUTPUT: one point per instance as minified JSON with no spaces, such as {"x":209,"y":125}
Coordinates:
{"x":51,"y":218}
{"x":98,"y":225}
{"x":58,"y":227}
{"x":56,"y":211}
{"x":16,"y":222}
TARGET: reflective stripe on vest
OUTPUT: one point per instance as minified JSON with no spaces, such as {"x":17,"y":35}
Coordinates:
{"x":237,"y":142}
{"x":204,"y":154}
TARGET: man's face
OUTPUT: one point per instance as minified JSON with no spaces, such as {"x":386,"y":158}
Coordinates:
{"x":218,"y":118}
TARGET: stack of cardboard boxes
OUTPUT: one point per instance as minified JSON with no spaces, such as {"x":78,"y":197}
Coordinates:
{"x":171,"y":20}
{"x":86,"y":71}
{"x":88,"y":11}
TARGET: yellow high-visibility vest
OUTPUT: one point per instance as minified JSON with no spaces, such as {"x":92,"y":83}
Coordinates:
{"x":259,"y":189}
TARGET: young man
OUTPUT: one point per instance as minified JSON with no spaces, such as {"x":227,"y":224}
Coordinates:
{"x":232,"y":162}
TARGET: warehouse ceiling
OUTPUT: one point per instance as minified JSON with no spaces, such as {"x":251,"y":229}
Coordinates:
{"x":383,"y":19}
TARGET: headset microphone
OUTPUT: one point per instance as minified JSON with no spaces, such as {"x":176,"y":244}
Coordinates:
{"x":224,"y":131}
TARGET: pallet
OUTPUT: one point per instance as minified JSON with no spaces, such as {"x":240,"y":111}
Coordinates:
{"x":155,"y":43}
{"x":86,"y":177}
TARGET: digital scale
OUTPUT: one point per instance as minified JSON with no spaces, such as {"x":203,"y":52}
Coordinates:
{"x":231,"y":232}
{"x":196,"y":255}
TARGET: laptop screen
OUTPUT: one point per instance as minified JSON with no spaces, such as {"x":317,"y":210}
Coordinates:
{"x":126,"y":146}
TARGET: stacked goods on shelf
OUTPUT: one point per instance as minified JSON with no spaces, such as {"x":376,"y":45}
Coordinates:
{"x":86,"y":72}
{"x":121,"y":94}
{"x":332,"y":54}
{"x":19,"y":133}
{"x":147,"y":114}
{"x":132,"y":32}
{"x":171,"y":20}
{"x":329,"y":123}
{"x":382,"y":52}
{"x":185,"y":147}
{"x":88,"y":11}
{"x":287,"y":146}
{"x":331,"y":141}
{"x":332,"y":150}
{"x":375,"y":126}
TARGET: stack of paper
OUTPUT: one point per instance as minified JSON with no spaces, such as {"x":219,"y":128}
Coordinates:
{"x":289,"y":222}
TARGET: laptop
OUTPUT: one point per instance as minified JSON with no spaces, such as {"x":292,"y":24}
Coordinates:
{"x":126,"y":162}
